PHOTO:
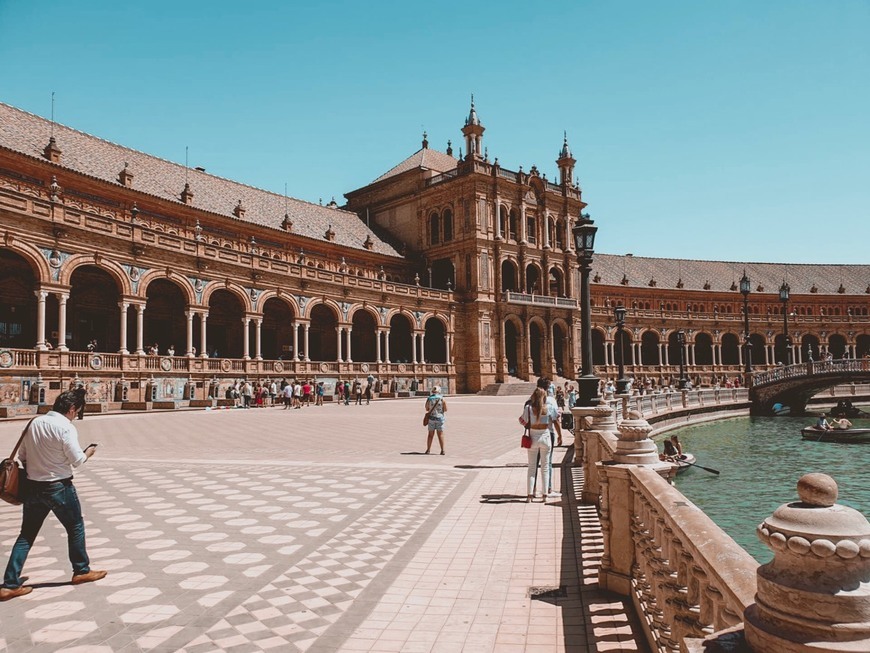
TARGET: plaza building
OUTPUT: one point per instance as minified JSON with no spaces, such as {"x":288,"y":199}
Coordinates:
{"x":146,"y":280}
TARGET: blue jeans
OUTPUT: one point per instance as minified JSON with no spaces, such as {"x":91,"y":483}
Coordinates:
{"x":40,"y":498}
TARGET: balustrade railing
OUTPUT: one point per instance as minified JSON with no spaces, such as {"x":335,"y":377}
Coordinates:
{"x":690,"y":578}
{"x":539,"y":300}
{"x":810,"y":368}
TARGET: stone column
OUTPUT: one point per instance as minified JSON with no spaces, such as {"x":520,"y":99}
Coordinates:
{"x":414,"y":348}
{"x":140,"y":329}
{"x":295,"y":341}
{"x":387,"y":346}
{"x":61,"y":321}
{"x":306,"y":341}
{"x":814,"y":595}
{"x":378,"y":335}
{"x":203,"y":341}
{"x":349,"y":346}
{"x":189,"y":346}
{"x":422,"y":347}
{"x":40,"y":320}
{"x":246,"y":345}
{"x":447,"y":342}
{"x":339,"y":331}
{"x":258,"y":338}
{"x":663,"y":353}
{"x":123,"y":306}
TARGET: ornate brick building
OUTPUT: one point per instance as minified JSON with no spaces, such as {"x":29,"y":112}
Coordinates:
{"x":142,"y":277}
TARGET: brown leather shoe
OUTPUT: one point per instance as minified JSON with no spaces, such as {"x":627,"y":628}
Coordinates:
{"x":89,"y":577}
{"x":7,"y":593}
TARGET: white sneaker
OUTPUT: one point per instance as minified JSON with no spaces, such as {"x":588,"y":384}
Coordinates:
{"x":553,"y":495}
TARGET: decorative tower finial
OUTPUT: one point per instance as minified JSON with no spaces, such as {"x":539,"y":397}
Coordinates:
{"x":566,"y":163}
{"x":425,"y":140}
{"x":473,"y":132}
{"x":449,"y":148}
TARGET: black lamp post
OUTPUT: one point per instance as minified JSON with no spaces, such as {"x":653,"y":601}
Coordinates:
{"x":747,"y":345}
{"x":681,"y":343}
{"x":584,"y":241}
{"x":783,"y":297}
{"x":621,"y":381}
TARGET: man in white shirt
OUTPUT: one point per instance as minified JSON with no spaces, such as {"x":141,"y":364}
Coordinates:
{"x":50,"y":451}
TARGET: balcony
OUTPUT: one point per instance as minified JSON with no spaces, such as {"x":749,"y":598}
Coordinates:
{"x":540,"y":300}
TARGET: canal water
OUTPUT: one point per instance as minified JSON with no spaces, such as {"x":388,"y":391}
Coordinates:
{"x":760,"y":460}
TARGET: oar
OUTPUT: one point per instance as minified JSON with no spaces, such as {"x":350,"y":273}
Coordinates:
{"x":706,"y":469}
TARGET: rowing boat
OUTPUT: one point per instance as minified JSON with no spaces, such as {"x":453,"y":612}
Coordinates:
{"x":854,"y":436}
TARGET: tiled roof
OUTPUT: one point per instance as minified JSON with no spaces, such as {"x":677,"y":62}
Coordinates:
{"x":28,"y":134}
{"x":720,"y":275}
{"x":425,"y":158}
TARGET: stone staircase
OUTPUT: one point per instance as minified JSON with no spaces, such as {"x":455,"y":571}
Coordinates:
{"x":513,"y":387}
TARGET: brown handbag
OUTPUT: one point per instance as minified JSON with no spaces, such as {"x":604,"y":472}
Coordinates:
{"x":10,"y":474}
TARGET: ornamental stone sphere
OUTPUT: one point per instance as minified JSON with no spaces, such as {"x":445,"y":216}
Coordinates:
{"x":817,"y":490}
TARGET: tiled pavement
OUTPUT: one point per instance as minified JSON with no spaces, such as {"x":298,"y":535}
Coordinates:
{"x":321,"y":529}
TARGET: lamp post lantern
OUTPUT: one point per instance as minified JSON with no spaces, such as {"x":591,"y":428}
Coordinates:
{"x":783,"y":297}
{"x":681,"y":342}
{"x":747,"y":345}
{"x":584,"y":241}
{"x":621,"y":381}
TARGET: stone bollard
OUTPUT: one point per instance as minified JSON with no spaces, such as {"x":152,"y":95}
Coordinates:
{"x":815,"y":593}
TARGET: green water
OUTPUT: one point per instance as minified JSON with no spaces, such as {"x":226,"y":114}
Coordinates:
{"x":760,"y":460}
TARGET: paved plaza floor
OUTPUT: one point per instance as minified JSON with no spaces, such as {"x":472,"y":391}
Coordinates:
{"x":321,"y":529}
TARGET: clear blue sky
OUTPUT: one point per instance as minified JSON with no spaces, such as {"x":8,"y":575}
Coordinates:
{"x":734,"y":130}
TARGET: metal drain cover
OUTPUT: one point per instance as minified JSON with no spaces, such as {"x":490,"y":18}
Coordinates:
{"x":548,"y":592}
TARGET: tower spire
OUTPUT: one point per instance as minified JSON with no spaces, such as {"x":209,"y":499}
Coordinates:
{"x":473,"y":132}
{"x":566,"y":162}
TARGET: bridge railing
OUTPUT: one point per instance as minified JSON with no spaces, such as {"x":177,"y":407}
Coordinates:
{"x":810,"y":368}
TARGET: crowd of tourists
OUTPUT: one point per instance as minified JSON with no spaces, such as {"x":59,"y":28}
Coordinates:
{"x":300,"y":393}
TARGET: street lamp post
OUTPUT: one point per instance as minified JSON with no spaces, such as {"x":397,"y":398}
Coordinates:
{"x":747,"y":345}
{"x":621,"y":381}
{"x":783,"y":297}
{"x":584,"y":241}
{"x":681,"y":342}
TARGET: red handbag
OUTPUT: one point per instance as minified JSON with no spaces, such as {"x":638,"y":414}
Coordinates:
{"x":526,"y":442}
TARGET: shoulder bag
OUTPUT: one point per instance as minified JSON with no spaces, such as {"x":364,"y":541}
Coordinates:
{"x":526,"y":442}
{"x":10,"y":474}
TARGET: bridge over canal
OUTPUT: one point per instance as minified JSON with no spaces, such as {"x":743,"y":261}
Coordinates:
{"x":793,"y":385}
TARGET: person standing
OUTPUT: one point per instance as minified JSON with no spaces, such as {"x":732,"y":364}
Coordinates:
{"x":435,"y":408}
{"x":357,"y":392}
{"x":49,"y":452}
{"x":536,"y":416}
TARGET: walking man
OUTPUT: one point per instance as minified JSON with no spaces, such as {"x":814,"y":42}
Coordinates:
{"x":50,"y":451}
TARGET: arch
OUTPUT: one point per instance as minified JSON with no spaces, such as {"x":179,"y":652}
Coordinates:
{"x":703,"y":349}
{"x":435,"y":341}
{"x":649,"y":348}
{"x":233,"y":288}
{"x":675,"y":352}
{"x":512,"y":344}
{"x":536,"y":346}
{"x":182,"y":283}
{"x":92,"y":308}
{"x":447,"y":225}
{"x":434,"y":228}
{"x":509,"y":276}
{"x":34,"y":258}
{"x":224,"y":328}
{"x":114,"y":270}
{"x":18,"y":303}
{"x":276,"y":337}
{"x":862,"y":346}
{"x":533,"y":279}
{"x":556,"y":282}
{"x":837,"y":345}
{"x":622,"y":349}
{"x":599,"y":355}
{"x":730,"y":349}
{"x":559,"y":240}
{"x":780,"y":350}
{"x":164,"y":319}
{"x":363,"y":337}
{"x":758,"y":351}
{"x":401,"y":335}
{"x":513,"y":222}
{"x":283,"y":297}
{"x":559,"y":337}
{"x":322,"y":332}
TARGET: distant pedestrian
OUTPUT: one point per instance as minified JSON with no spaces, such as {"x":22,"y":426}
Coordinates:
{"x":339,"y":389}
{"x":357,"y":391}
{"x":347,"y":393}
{"x":436,"y":406}
{"x":318,"y":392}
{"x":50,"y":451}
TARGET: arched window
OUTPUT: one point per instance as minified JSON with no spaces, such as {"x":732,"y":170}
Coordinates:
{"x":447,"y":224}
{"x":559,"y":240}
{"x":531,"y":229}
{"x":434,"y":229}
{"x":503,"y":221}
{"x":512,"y":231}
